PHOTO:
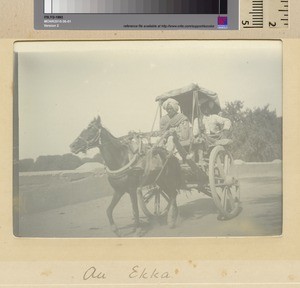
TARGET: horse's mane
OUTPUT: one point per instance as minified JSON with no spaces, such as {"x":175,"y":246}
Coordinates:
{"x":112,"y":139}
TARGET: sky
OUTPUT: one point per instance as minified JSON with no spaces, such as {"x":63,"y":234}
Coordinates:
{"x":62,"y":86}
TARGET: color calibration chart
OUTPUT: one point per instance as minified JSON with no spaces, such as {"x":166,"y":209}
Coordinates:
{"x":160,"y":14}
{"x":136,"y":14}
{"x":136,"y":6}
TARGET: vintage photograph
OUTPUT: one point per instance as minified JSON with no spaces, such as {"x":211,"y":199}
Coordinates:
{"x":148,"y":138}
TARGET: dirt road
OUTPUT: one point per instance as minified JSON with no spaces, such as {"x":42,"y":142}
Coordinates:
{"x":261,"y":215}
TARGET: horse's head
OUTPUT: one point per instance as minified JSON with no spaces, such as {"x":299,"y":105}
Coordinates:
{"x":88,"y":138}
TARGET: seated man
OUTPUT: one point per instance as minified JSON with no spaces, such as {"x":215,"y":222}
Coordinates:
{"x":179,"y":123}
{"x":172,"y":122}
{"x":215,"y":126}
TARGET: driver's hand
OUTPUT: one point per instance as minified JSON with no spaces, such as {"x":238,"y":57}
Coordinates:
{"x":171,"y":131}
{"x":225,"y":133}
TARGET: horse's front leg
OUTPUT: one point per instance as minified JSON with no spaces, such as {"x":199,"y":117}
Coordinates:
{"x":114,"y":201}
{"x":135,"y":209}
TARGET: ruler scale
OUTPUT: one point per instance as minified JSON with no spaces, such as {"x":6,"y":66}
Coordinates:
{"x":278,"y":14}
{"x":254,"y":19}
{"x":267,"y":14}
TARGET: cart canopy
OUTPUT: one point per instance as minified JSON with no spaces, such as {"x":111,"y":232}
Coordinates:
{"x":184,"y":96}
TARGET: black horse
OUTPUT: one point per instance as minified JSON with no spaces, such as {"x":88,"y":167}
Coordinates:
{"x":123,"y":174}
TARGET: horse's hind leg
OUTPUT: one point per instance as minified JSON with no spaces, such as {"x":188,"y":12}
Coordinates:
{"x":173,"y":211}
{"x":114,"y":201}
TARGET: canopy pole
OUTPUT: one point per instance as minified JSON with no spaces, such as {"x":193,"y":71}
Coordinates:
{"x":200,"y":117}
{"x":160,"y":110}
{"x":195,"y":96}
{"x":156,"y":113}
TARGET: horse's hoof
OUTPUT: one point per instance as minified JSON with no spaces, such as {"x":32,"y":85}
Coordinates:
{"x":139,"y":232}
{"x":221,"y":217}
{"x":115,"y":230}
{"x":172,"y":225}
{"x":172,"y":220}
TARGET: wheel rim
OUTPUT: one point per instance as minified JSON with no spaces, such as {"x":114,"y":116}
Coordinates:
{"x":224,"y":186}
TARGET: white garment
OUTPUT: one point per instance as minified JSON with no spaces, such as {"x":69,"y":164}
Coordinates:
{"x":213,"y":124}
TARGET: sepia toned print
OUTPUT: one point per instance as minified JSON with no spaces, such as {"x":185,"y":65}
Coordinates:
{"x":148,"y":139}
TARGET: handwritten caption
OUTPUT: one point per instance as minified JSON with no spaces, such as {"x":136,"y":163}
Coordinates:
{"x":135,"y":272}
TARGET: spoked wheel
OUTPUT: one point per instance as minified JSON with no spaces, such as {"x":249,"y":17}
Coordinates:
{"x":224,"y":186}
{"x":153,"y":201}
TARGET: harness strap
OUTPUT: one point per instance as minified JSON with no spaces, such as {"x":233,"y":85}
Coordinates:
{"x":124,"y":170}
{"x":161,"y":170}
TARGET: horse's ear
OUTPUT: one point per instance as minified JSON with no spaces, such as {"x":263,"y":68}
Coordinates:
{"x":98,"y":119}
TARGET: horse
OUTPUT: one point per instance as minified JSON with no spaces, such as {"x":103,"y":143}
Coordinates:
{"x":120,"y":164}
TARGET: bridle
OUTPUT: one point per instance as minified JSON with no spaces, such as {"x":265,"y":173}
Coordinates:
{"x":90,"y":143}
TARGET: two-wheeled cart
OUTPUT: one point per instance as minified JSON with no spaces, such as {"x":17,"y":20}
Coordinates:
{"x":211,"y":169}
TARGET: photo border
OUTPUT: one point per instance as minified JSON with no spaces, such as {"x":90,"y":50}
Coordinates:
{"x":205,"y":262}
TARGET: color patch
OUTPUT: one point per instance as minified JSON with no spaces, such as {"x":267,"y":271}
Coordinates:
{"x":222,"y":22}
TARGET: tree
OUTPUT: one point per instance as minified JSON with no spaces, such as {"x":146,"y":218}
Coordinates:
{"x":70,"y":162}
{"x":256,"y":133}
{"x":48,"y":163}
{"x":57,"y":162}
{"x":26,"y":165}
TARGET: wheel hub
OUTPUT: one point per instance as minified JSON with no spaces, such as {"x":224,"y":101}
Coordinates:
{"x":229,"y":181}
